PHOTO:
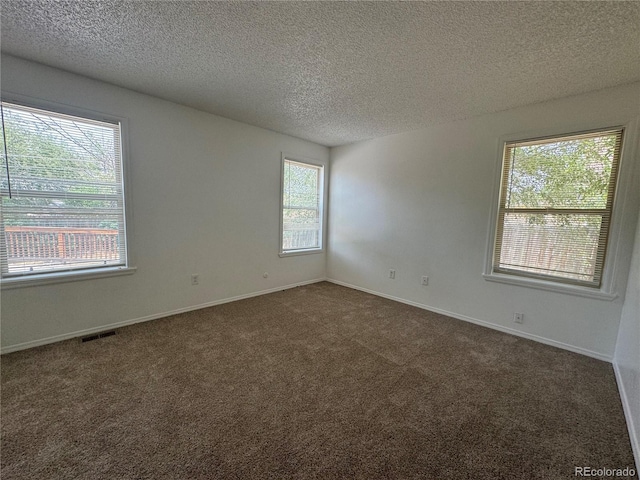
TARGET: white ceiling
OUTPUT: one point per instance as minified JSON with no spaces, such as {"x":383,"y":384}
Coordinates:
{"x":336,"y":72}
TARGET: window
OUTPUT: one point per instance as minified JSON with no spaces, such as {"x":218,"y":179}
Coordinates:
{"x":62,"y":194}
{"x":302,"y":198}
{"x":556,"y":201}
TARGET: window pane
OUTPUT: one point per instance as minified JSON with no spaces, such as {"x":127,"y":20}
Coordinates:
{"x":66,"y":209}
{"x":301,"y":212}
{"x":564,"y":174}
{"x":565,"y":246}
{"x":556,"y":204}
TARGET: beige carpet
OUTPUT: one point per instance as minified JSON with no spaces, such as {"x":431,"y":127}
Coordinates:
{"x":318,"y":382}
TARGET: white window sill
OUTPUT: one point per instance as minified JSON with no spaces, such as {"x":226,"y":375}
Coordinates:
{"x":62,"y":277}
{"x":293,"y":253}
{"x":550,"y":286}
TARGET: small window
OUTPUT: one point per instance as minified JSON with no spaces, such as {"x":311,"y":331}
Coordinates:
{"x":556,"y":201}
{"x":302,"y":197}
{"x":62,"y":193}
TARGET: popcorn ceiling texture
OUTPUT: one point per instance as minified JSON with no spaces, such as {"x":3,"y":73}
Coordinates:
{"x":336,"y":72}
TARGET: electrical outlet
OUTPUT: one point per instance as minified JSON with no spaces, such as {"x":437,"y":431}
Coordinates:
{"x":392,"y":274}
{"x":518,"y":317}
{"x":195,"y":279}
{"x":425,"y":281}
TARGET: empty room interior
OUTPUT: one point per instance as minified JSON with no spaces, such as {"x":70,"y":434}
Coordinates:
{"x":320,"y":240}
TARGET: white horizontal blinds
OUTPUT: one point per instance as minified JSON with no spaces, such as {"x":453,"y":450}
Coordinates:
{"x":64,"y":206}
{"x":555,"y":210}
{"x":301,"y":206}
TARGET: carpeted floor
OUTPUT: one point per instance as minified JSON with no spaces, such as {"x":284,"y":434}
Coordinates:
{"x":318,"y":382}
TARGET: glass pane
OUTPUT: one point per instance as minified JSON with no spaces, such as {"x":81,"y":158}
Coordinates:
{"x":66,"y":205}
{"x":562,"y":246}
{"x":563,"y":174}
{"x":301,"y":207}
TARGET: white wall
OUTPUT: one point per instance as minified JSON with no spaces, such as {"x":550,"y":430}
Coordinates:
{"x":420,"y":202}
{"x":627,"y":356}
{"x":205,"y":196}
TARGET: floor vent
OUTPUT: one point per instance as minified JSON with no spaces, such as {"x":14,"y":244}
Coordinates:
{"x":97,"y":336}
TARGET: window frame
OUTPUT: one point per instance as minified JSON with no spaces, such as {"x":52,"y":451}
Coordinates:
{"x":321,"y":195}
{"x":617,"y":231}
{"x":61,"y":276}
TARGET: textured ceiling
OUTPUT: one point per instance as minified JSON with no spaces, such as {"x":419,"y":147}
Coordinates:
{"x":336,"y":72}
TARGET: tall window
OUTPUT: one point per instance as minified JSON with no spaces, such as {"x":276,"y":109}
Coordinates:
{"x":62,"y":193}
{"x":302,"y":187}
{"x":556,"y":201}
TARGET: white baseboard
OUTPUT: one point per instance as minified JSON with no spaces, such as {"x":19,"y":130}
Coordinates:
{"x":90,"y":331}
{"x":494,"y":326}
{"x":626,"y":407}
{"x":124,"y":323}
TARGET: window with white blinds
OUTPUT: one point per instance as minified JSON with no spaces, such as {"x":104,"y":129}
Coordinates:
{"x":302,"y":197}
{"x":556,"y":201}
{"x":62,"y":193}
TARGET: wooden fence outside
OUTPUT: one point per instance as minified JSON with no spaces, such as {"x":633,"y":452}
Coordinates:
{"x":51,"y":243}
{"x":540,"y":250}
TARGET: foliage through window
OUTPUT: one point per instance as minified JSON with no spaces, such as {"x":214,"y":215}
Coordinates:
{"x":556,"y":201}
{"x":302,"y":185}
{"x":62,"y":193}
